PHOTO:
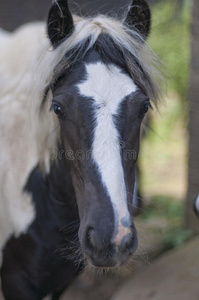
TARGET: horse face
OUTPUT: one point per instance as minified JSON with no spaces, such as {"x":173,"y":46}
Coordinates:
{"x":100,"y":110}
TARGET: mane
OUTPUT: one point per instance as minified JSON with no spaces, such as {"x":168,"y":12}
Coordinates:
{"x":139,"y":60}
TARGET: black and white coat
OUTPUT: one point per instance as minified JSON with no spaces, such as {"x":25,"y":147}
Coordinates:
{"x":70,"y":118}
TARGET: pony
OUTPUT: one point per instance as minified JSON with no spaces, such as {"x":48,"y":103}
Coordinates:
{"x":72,"y":104}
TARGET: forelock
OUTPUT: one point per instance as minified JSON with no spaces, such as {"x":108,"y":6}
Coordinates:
{"x":114,"y":42}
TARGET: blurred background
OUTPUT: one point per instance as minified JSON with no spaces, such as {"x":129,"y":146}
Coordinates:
{"x":169,"y":154}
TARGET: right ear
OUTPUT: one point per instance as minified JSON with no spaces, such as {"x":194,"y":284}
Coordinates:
{"x":60,"y":22}
{"x":139,"y":17}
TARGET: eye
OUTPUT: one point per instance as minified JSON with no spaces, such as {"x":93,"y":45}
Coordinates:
{"x":144,"y":108}
{"x":57,"y":110}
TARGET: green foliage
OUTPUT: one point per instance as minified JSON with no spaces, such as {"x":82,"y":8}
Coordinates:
{"x":175,"y":237}
{"x":166,"y":207}
{"x":171,"y":212}
{"x":170,"y":39}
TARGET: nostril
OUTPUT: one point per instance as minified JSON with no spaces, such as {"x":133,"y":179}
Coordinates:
{"x":129,"y":243}
{"x":90,"y":240}
{"x":132,"y":243}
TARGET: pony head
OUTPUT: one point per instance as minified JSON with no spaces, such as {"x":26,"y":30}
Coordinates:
{"x":94,"y":90}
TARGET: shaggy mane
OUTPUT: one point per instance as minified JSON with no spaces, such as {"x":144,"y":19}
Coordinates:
{"x":139,"y":60}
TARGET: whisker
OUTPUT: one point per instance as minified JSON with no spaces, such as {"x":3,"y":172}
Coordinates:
{"x":154,"y":132}
{"x":51,"y":132}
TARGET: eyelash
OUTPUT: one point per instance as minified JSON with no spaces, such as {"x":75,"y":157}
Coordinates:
{"x":144,"y":108}
{"x":57,"y":110}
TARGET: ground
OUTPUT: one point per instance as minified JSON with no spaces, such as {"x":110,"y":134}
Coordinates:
{"x":172,"y":276}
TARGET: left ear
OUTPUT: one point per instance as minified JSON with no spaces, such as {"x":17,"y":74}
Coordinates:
{"x":139,"y":17}
{"x":60,"y":22}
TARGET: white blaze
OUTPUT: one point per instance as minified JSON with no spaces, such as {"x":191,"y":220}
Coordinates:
{"x":108,"y":87}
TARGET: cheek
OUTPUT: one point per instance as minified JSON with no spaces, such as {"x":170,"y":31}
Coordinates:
{"x":131,"y":150}
{"x":130,"y":172}
{"x":130,"y":156}
{"x":131,"y":184}
{"x":69,"y":136}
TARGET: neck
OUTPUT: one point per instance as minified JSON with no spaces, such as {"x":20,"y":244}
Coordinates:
{"x":54,"y":197}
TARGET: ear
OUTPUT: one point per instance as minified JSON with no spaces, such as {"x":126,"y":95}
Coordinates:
{"x":60,"y":22}
{"x":139,"y":17}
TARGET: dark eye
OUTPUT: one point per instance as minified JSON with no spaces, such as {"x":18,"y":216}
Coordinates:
{"x":144,"y":108}
{"x":57,"y":110}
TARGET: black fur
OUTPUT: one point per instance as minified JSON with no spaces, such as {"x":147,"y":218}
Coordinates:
{"x":43,"y":260}
{"x":109,"y":53}
{"x":33,"y":264}
{"x":139,"y":17}
{"x":60,"y":22}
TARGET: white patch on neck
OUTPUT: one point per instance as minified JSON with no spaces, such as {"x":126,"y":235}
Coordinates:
{"x":197,"y":204}
{"x":108,"y":87}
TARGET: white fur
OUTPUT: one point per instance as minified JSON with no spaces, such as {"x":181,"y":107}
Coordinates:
{"x":47,"y":59}
{"x":23,"y":80}
{"x":108,"y":86}
{"x":18,"y":157}
{"x":17,"y":142}
{"x":19,"y":48}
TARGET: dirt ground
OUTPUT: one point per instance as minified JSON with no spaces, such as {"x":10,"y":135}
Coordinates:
{"x":174,"y":275}
{"x":154,"y":274}
{"x":91,"y":285}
